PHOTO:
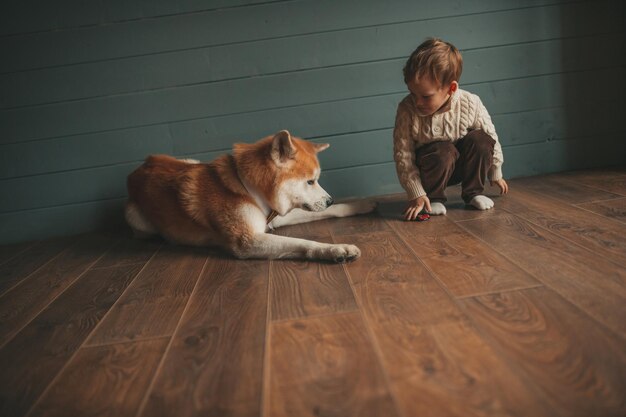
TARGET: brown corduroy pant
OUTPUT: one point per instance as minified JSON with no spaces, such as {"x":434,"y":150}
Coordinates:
{"x":466,"y":161}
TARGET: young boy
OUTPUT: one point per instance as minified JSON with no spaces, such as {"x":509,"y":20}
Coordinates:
{"x":443,"y":135}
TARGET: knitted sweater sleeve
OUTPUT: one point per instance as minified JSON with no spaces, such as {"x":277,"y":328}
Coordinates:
{"x":483,"y":121}
{"x":404,"y":154}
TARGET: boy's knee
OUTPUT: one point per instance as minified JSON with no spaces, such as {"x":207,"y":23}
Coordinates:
{"x":480,"y":141}
{"x":440,"y":154}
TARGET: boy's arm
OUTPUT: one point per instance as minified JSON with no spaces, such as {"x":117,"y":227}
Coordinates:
{"x":483,"y":121}
{"x":404,"y":154}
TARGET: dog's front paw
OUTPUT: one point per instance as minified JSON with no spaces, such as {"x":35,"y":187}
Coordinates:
{"x":343,"y":253}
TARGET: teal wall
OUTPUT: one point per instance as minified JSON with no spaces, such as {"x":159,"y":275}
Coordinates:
{"x":88,"y":89}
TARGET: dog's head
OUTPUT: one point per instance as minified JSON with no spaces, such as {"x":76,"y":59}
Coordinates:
{"x":287,"y":173}
{"x":298,"y":174}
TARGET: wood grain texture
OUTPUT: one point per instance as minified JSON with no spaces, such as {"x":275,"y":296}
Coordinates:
{"x":8,"y":252}
{"x":436,"y":363}
{"x":301,"y":289}
{"x":39,"y":351}
{"x":27,"y":262}
{"x":599,"y":235}
{"x":557,"y":186}
{"x":613,"y":209}
{"x":103,"y":381}
{"x":152,"y":305}
{"x":25,"y":300}
{"x":463,"y":263}
{"x":326,"y":366}
{"x":214,"y":366}
{"x":597,"y":287}
{"x":611,"y":180}
{"x":578,"y":368}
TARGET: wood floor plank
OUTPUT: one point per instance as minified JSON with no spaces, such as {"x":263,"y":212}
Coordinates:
{"x":103,"y":381}
{"x":576,"y":364}
{"x":369,"y":222}
{"x":326,"y":366}
{"x":601,"y":236}
{"x":214,"y":366}
{"x":8,"y":252}
{"x":610,"y":180}
{"x":559,"y":187}
{"x":152,"y":305}
{"x":24,"y":301}
{"x":437,"y":364}
{"x":301,"y":289}
{"x":40,"y":350}
{"x":31,"y":259}
{"x":129,"y":251}
{"x":613,"y":209}
{"x":463,"y":263}
{"x":594,"y":285}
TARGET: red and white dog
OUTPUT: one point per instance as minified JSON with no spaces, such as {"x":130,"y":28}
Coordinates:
{"x":235,"y":200}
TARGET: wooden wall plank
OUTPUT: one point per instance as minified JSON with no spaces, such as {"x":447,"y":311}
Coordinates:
{"x":383,"y":42}
{"x":221,"y":27}
{"x":34,"y":16}
{"x":257,"y":93}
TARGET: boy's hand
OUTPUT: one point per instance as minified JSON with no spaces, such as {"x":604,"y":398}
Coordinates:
{"x":504,"y":187}
{"x":415,"y":206}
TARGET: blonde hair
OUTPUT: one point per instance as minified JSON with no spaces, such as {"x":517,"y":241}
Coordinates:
{"x":437,"y":59}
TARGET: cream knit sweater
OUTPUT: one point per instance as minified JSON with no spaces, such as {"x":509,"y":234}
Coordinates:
{"x":462,"y":113}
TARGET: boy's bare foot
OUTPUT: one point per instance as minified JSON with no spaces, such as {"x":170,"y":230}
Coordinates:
{"x":481,"y":202}
{"x":437,"y":209}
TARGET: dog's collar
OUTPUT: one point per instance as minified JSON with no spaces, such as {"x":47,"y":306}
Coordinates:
{"x":270,"y":214}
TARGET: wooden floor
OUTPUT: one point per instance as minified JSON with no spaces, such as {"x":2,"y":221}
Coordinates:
{"x":518,"y":311}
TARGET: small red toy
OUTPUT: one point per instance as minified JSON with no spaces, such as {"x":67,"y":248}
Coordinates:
{"x":422,"y":217}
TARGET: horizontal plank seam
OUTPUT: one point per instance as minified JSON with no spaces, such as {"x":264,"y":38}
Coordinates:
{"x":294,"y":35}
{"x":123,"y":342}
{"x":265,"y":109}
{"x":480,"y":294}
{"x":314,"y":316}
{"x":129,"y":20}
{"x":277,"y":73}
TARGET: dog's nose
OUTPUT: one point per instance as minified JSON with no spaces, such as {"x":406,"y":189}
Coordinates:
{"x":329,"y":201}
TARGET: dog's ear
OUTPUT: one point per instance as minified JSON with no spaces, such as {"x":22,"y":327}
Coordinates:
{"x":283,"y":148}
{"x":319,"y":147}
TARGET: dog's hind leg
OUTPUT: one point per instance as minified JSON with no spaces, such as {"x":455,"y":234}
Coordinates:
{"x":142,"y":228}
{"x":297,"y":216}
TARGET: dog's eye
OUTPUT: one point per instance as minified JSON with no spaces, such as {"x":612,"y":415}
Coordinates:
{"x":310,"y":182}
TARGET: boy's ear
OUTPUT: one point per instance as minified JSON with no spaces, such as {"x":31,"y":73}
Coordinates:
{"x":283,"y":148}
{"x":453,"y":87}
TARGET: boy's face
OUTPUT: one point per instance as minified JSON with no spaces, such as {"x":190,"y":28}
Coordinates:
{"x":429,"y":96}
